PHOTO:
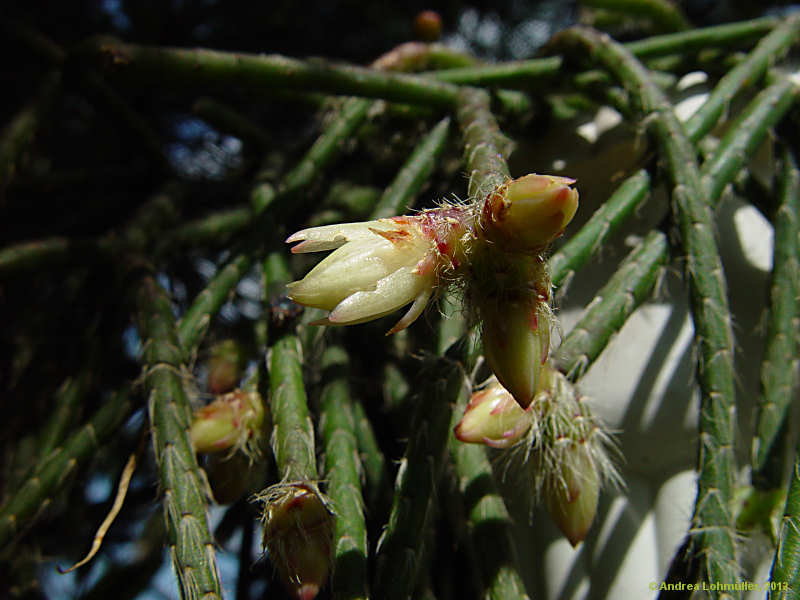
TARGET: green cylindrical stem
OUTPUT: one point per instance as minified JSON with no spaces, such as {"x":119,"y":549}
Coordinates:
{"x":398,"y":196}
{"x":484,"y":144}
{"x":630,"y":285}
{"x":715,"y":537}
{"x":526,"y":73}
{"x":604,"y":223}
{"x":419,"y":472}
{"x":786,"y":566}
{"x":194,"y":323}
{"x":327,"y":146}
{"x":212,"y":69}
{"x":665,"y":14}
{"x":376,"y":471}
{"x":293,"y":432}
{"x":38,"y":254}
{"x":512,"y":74}
{"x":54,"y":469}
{"x":342,"y":472}
{"x":746,"y":134}
{"x":488,"y":519}
{"x":181,"y":481}
{"x":215,"y":228}
{"x":778,"y":371}
{"x":748,"y":72}
{"x":66,"y":403}
{"x":728,"y":34}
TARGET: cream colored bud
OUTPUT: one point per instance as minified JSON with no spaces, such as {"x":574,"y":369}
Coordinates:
{"x":231,"y":421}
{"x":528,"y":213}
{"x":516,"y":342}
{"x":572,"y":491}
{"x":298,"y":534}
{"x":493,"y":417}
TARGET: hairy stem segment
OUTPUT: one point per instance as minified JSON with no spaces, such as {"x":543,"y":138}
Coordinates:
{"x":786,"y":566}
{"x":343,"y":473}
{"x":714,"y":535}
{"x":297,"y":518}
{"x":601,"y":226}
{"x":485,"y":146}
{"x":748,"y":72}
{"x":630,"y":285}
{"x":210,"y":69}
{"x":488,"y":521}
{"x":183,"y":485}
{"x":401,"y":544}
{"x":663,"y":13}
{"x":778,"y":369}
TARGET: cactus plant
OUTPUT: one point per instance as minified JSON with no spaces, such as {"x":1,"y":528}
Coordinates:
{"x":458,"y":447}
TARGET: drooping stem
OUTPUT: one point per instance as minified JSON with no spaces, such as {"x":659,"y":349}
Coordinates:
{"x":66,"y":403}
{"x":748,"y":72}
{"x":342,"y":472}
{"x":195,"y":321}
{"x":181,"y":482}
{"x":630,"y":285}
{"x":786,"y":566}
{"x":528,"y":73}
{"x":212,"y":69}
{"x":488,"y":521}
{"x":485,"y":146}
{"x":778,"y":371}
{"x":745,"y":135}
{"x":606,"y":221}
{"x":715,"y":536}
{"x":662,"y":12}
{"x":400,"y":545}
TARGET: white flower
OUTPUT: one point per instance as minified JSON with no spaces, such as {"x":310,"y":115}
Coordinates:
{"x":376,"y":268}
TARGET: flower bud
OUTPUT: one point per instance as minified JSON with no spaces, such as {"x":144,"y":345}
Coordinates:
{"x":526,"y":214}
{"x":493,"y":418}
{"x":225,"y":366}
{"x":571,"y":492}
{"x":516,"y":342}
{"x":298,"y":535}
{"x":231,"y":421}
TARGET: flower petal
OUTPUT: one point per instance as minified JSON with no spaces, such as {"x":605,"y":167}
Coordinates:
{"x":354,"y":267}
{"x":420,"y":302}
{"x":391,"y":292}
{"x":330,"y":237}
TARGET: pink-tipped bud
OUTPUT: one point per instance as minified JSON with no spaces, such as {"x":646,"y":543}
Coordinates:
{"x":516,"y":342}
{"x":571,"y":492}
{"x":526,"y":214}
{"x":298,"y":535}
{"x":231,"y":421}
{"x":493,"y":418}
{"x":225,"y":366}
